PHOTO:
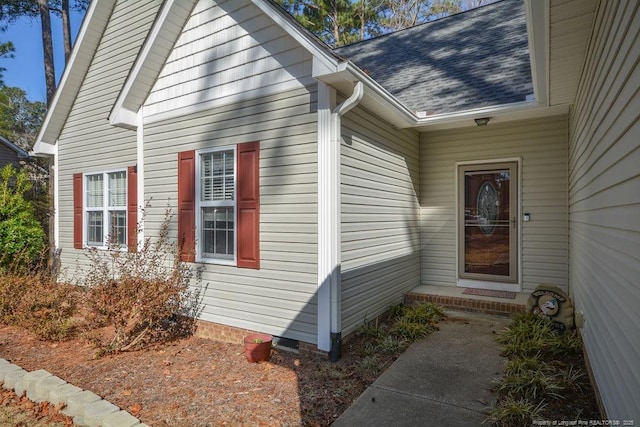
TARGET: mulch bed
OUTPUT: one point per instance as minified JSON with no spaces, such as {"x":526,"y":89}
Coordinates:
{"x":199,"y":382}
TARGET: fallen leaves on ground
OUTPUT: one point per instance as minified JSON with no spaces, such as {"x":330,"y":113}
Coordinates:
{"x":44,"y":413}
{"x":197,"y":382}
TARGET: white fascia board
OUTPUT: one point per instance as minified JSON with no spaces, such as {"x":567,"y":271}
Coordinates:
{"x":123,"y":117}
{"x":43,"y":149}
{"x":498,"y":114}
{"x":537,"y":13}
{"x":474,"y":113}
{"x":96,"y":18}
{"x":321,"y":68}
{"x":125,"y":110}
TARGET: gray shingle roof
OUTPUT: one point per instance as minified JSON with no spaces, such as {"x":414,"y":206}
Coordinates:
{"x":478,"y":58}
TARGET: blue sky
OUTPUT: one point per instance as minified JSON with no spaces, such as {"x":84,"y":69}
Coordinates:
{"x":26,"y":69}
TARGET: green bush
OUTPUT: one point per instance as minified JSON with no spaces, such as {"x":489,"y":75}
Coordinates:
{"x":406,"y":325}
{"x":515,"y":412}
{"x":543,"y":374}
{"x":529,"y":335}
{"x":21,"y":235}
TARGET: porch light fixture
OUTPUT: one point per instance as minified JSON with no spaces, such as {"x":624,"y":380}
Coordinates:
{"x":482,"y":121}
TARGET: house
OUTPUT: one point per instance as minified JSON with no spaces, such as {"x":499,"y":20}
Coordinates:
{"x":495,"y":149}
{"x":10,"y":153}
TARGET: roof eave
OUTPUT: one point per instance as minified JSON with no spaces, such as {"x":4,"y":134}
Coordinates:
{"x":496,"y":114}
{"x":93,"y":26}
{"x":22,"y":154}
{"x":169,"y":23}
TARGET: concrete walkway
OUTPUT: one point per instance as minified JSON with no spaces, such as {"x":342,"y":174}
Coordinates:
{"x":442,"y":380}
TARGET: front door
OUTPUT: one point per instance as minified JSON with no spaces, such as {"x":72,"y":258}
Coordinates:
{"x":488,"y":220}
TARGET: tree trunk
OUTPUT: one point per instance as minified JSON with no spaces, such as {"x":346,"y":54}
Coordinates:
{"x":47,"y":45}
{"x":363,"y":18}
{"x":66,"y":30}
{"x":336,"y":26}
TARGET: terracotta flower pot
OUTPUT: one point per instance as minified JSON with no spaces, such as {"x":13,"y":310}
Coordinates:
{"x":257,"y":347}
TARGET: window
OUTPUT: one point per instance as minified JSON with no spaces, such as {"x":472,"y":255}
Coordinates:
{"x":216,"y":204}
{"x":106,"y":208}
{"x":219,"y":205}
{"x":105,"y":204}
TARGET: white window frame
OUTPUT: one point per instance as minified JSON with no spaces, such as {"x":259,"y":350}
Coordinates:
{"x":199,"y":204}
{"x":105,"y":208}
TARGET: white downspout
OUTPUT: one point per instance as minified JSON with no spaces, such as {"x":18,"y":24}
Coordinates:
{"x":335,"y":253}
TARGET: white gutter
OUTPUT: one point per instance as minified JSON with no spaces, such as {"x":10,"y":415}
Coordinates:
{"x":424,"y":120}
{"x":406,"y":118}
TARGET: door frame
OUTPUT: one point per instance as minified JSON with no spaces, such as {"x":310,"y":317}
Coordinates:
{"x":487,"y":284}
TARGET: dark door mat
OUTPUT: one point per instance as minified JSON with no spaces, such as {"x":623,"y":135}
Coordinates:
{"x":490,"y":293}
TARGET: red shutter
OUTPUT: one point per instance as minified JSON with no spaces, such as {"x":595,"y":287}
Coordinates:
{"x":77,"y":210}
{"x":132,"y":208}
{"x":187,"y":205}
{"x":248,"y":215}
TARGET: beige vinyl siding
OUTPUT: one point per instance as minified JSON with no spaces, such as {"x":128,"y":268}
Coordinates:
{"x":568,"y":38}
{"x":542,"y":147}
{"x":88,"y":143}
{"x":380,"y":239}
{"x":228,"y":51}
{"x":604,"y":191}
{"x":280,"y":297}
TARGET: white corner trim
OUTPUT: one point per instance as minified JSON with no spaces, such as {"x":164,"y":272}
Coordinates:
{"x":56,"y":202}
{"x":140,"y":176}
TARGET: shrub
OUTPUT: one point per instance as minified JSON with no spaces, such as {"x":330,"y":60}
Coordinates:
{"x":143,"y":296}
{"x":21,"y":235}
{"x":515,"y":412}
{"x":35,"y":302}
{"x":406,"y":325}
{"x":529,"y":335}
{"x":544,"y":376}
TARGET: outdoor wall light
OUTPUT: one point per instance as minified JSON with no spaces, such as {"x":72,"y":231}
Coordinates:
{"x":482,"y":121}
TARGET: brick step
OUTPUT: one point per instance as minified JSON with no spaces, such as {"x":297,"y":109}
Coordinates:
{"x":472,"y":305}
